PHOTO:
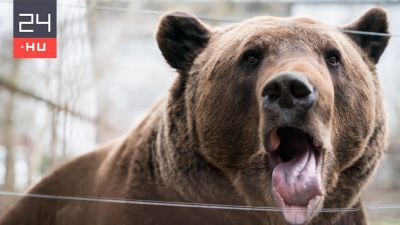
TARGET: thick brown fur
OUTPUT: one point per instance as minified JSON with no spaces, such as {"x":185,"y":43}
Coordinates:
{"x":203,"y":142}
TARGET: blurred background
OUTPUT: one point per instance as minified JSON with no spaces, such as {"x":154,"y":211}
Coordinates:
{"x":109,"y":71}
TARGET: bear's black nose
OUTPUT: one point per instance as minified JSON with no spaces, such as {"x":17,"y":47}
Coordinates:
{"x":287,"y":91}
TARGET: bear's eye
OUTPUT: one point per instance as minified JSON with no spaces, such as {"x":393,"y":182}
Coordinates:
{"x":251,"y":58}
{"x":333,"y":58}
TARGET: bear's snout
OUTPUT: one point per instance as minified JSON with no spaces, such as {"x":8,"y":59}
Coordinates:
{"x":289,"y":95}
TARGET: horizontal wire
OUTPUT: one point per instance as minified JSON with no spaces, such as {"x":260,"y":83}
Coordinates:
{"x":191,"y":205}
{"x":170,"y":204}
{"x":352,"y":2}
{"x":141,"y":11}
{"x":394,"y":206}
{"x":159,"y":13}
{"x":369,"y":33}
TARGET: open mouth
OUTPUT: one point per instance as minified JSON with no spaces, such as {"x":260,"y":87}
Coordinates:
{"x":296,"y":178}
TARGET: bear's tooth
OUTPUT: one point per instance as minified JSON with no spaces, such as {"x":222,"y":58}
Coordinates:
{"x":316,"y":143}
{"x":274,"y":140}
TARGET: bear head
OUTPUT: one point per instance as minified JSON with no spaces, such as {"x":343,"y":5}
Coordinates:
{"x":281,"y":106}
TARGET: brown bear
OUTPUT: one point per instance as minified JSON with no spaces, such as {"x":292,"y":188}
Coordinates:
{"x":274,"y":112}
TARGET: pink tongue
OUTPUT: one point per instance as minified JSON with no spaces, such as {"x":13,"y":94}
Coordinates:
{"x":297,"y":186}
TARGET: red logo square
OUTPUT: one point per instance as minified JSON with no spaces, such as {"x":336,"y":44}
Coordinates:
{"x":35,"y":47}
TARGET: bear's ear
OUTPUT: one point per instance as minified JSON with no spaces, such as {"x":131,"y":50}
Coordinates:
{"x":181,"y":37}
{"x":374,"y":20}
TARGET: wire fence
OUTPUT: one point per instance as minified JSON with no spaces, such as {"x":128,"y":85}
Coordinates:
{"x":44,"y":104}
{"x":182,"y":204}
{"x":65,"y":106}
{"x":194,"y":205}
{"x":160,"y":13}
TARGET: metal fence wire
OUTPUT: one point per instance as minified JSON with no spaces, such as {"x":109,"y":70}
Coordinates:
{"x":192,"y":205}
